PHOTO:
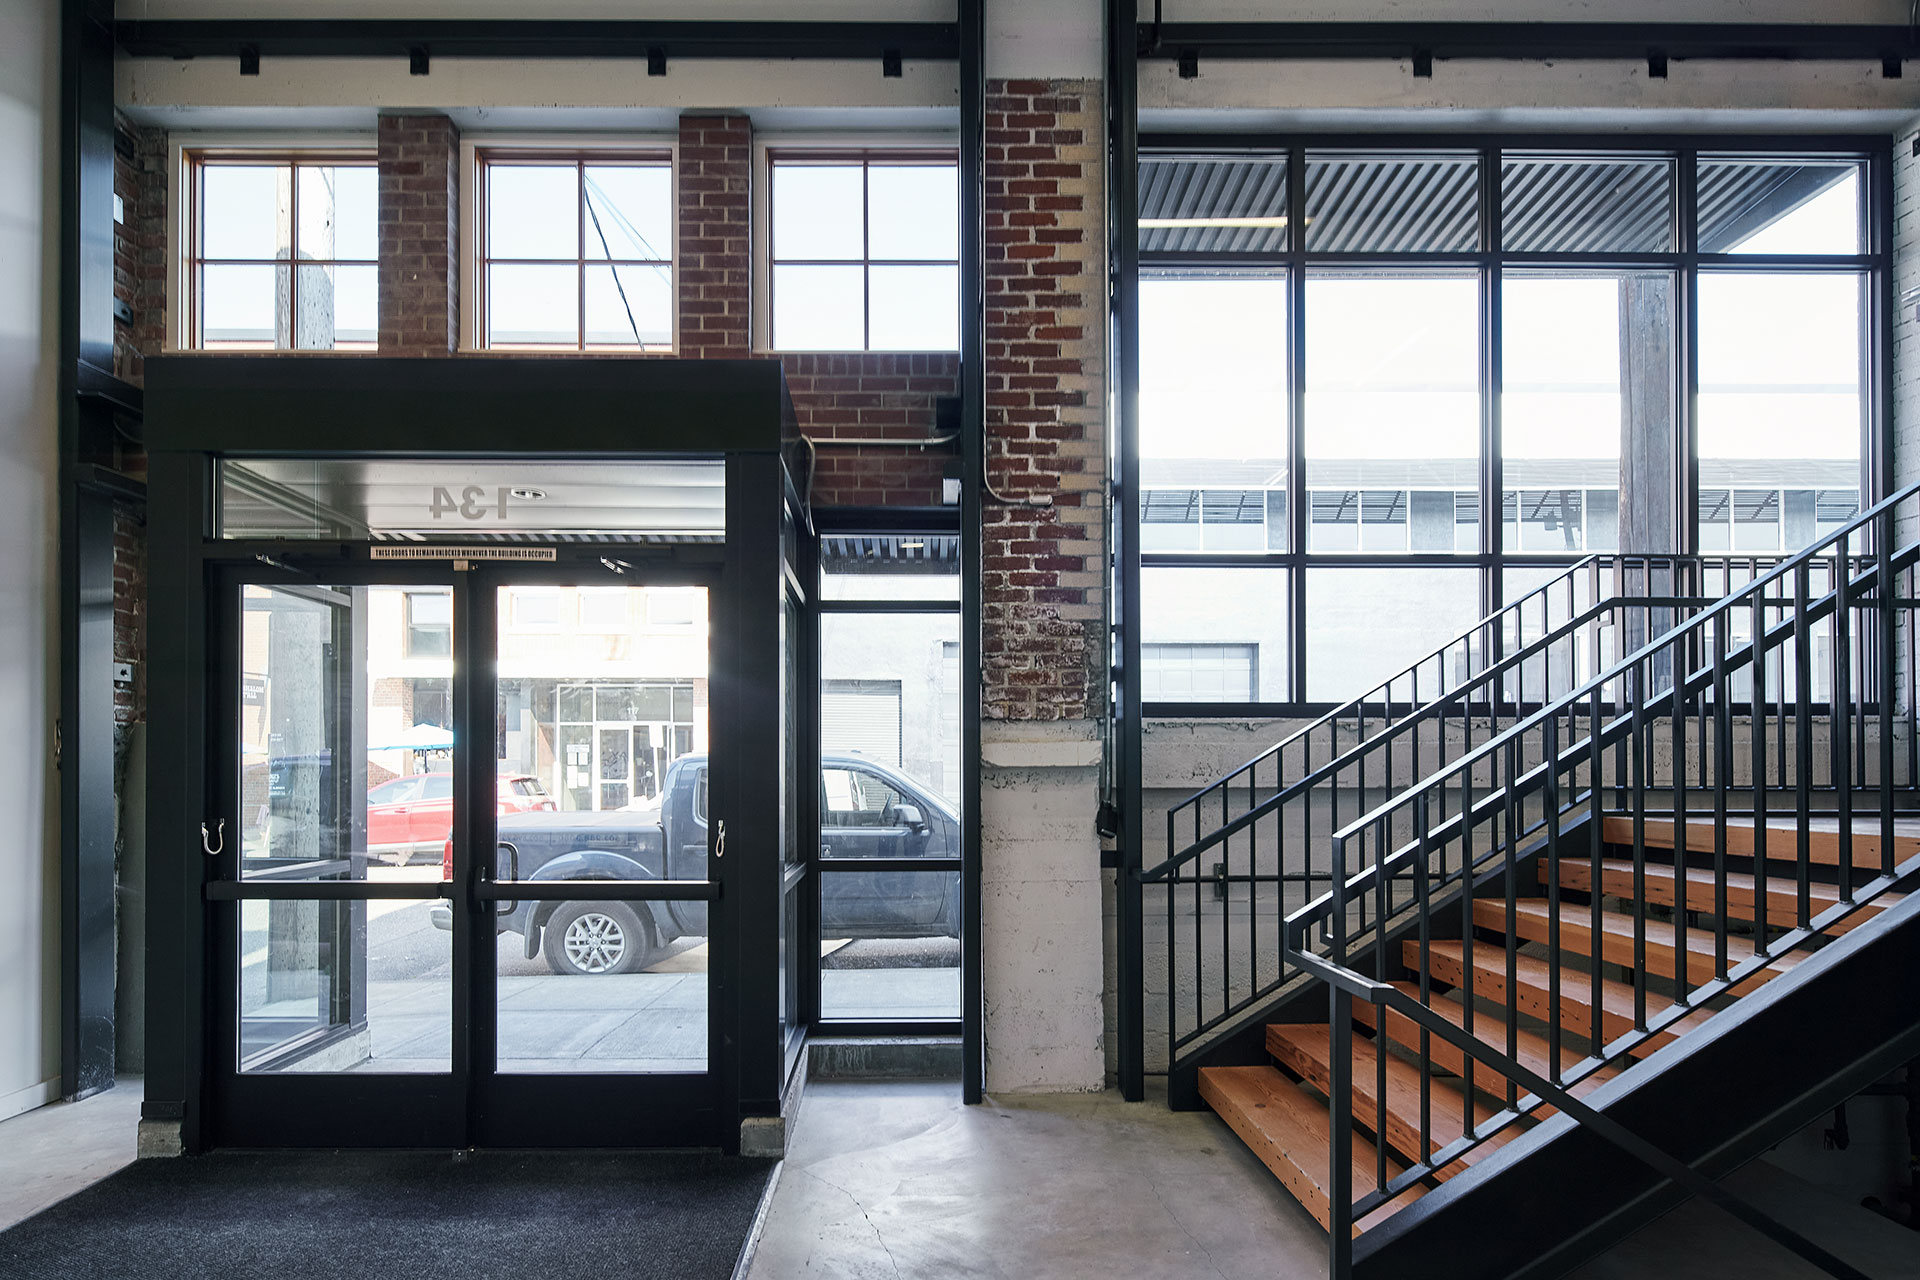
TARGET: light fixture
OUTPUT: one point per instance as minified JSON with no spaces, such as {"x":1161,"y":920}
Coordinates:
{"x":527,"y":495}
{"x":1169,"y":224}
{"x":912,"y":546}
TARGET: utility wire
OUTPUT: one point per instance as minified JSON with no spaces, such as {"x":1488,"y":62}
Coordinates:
{"x":607,"y":249}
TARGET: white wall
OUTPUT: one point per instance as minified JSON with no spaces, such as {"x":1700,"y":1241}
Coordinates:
{"x":29,"y":274}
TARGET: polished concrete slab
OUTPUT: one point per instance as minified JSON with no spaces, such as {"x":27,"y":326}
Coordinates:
{"x":899,"y":1179}
{"x":49,"y":1153}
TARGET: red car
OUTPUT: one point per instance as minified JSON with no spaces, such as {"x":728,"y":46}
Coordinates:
{"x":416,"y":812}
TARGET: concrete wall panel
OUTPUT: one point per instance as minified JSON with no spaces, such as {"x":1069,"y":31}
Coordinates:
{"x":29,"y":317}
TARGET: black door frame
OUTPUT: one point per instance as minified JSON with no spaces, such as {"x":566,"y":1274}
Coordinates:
{"x":201,"y":408}
{"x":473,"y":1104}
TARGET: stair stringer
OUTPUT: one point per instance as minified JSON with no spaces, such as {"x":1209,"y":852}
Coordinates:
{"x":1718,"y":1097}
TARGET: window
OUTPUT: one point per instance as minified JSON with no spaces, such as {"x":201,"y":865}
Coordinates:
{"x":865,"y":251}
{"x":1198,"y":672}
{"x":282,"y":253}
{"x":536,"y":608}
{"x":673,"y":608}
{"x":856,"y":798}
{"x":429,"y":622}
{"x":603,"y":611}
{"x":1368,"y":405}
{"x":576,"y":253}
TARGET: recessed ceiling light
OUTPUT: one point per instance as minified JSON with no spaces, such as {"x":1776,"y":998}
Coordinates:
{"x":912,"y":546}
{"x":528,"y":495}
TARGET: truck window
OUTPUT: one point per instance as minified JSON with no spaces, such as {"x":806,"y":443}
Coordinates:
{"x":700,"y":796}
{"x":857,"y":799}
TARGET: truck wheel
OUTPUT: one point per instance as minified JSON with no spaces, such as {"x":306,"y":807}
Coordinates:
{"x":595,"y":938}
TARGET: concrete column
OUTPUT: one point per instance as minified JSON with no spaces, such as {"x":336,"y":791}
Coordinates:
{"x":1041,"y":941}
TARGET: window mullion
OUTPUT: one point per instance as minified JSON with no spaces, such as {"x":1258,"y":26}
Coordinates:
{"x":580,"y":253}
{"x":866,"y":255}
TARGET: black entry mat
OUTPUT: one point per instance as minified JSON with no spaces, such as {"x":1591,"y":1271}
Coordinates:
{"x":411,"y":1215}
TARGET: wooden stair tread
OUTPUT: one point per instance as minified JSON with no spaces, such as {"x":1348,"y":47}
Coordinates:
{"x":1532,"y":1050}
{"x":1532,"y":918}
{"x":1660,"y":880}
{"x":1305,"y":1049}
{"x":1533,"y":977}
{"x":1287,"y":1129}
{"x":1823,"y":838}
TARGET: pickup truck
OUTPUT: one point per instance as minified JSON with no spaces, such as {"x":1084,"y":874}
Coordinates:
{"x":866,"y":811}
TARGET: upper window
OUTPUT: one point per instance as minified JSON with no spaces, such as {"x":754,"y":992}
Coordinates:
{"x":576,"y":253}
{"x":866,"y":251}
{"x":429,"y":623}
{"x":282,"y":254}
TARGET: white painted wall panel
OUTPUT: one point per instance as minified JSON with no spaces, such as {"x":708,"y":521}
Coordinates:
{"x":29,"y":271}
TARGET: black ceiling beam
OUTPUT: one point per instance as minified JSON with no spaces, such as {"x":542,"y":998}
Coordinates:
{"x":511,"y":38}
{"x":1561,"y":41}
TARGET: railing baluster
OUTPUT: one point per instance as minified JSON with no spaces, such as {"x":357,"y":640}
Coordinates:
{"x":1884,"y":676}
{"x":1682,"y":836}
{"x":1722,"y":780}
{"x":1421,"y":892}
{"x":1595,"y":849}
{"x":1839,"y":699}
{"x":1553,"y":910}
{"x":1803,"y":743}
{"x":1641,"y":761}
{"x":1757,"y":757}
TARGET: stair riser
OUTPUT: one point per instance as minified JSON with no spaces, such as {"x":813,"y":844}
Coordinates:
{"x":1443,"y":1054}
{"x":1577,"y":939}
{"x":1576,"y":1015}
{"x":1783,"y":903}
{"x":1402,"y":1128}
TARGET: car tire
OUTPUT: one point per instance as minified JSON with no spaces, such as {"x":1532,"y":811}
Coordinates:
{"x":588,"y":939}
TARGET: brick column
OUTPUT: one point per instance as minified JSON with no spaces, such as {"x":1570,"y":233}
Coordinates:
{"x":1041,"y":886}
{"x":419,"y":236}
{"x":715,"y":267}
{"x":1045,"y":400}
{"x":139,"y":245}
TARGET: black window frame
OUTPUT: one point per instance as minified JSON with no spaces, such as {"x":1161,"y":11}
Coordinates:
{"x":1873,"y":153}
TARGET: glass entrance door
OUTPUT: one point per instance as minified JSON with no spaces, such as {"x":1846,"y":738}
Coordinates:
{"x":599,"y":892}
{"x":438,"y":921}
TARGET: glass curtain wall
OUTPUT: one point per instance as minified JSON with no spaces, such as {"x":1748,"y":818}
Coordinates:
{"x":1382,"y":391}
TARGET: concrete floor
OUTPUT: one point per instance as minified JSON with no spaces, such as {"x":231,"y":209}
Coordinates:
{"x":48,"y":1154}
{"x":902,"y":1180}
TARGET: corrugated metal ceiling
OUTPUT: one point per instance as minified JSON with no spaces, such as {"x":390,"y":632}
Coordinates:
{"x":1428,"y":202}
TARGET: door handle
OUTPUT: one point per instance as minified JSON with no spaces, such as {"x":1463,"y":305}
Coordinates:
{"x":720,"y":839}
{"x":215,"y":843}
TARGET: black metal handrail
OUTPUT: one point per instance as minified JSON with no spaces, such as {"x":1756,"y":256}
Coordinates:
{"x":1265,"y":820}
{"x":1441,"y":861}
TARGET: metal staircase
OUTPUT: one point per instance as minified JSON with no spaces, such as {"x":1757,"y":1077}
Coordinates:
{"x":1579,"y":931}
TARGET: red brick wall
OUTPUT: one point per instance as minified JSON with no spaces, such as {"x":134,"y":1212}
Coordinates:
{"x":130,"y":612}
{"x":715,"y":266}
{"x":419,"y":235}
{"x":846,"y":397}
{"x":139,"y":245}
{"x":1045,"y":369}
